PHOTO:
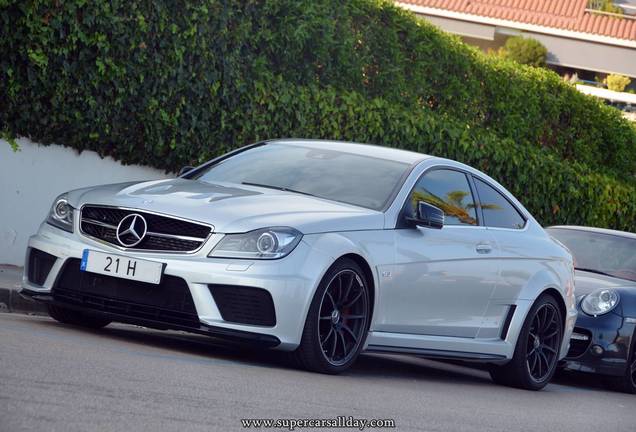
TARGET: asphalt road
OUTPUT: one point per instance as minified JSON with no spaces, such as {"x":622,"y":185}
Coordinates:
{"x":55,"y":377}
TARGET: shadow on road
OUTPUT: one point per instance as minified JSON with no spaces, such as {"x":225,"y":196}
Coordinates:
{"x":373,"y":366}
{"x":583,"y":381}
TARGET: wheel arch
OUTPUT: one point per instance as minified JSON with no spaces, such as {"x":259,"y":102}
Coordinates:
{"x":368,"y":275}
{"x":554,"y":282}
{"x":554,"y":292}
{"x":559,"y":299}
{"x":341,"y":245}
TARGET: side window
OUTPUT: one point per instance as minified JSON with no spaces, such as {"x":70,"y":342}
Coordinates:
{"x":450,"y":191}
{"x":497,"y":210}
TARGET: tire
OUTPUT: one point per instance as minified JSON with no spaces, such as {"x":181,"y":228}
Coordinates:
{"x":337,"y":322}
{"x":535,"y":358}
{"x":561,"y":370}
{"x":68,"y":316}
{"x":627,"y":382}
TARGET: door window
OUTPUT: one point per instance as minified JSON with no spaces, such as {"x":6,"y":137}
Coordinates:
{"x":497,"y":210}
{"x":448,"y":190}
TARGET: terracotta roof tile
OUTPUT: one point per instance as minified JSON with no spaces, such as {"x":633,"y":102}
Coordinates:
{"x":560,"y":14}
{"x":611,"y":28}
{"x":621,"y":27}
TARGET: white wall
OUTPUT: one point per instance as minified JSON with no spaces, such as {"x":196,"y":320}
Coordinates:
{"x":31,"y":179}
{"x":569,"y":49}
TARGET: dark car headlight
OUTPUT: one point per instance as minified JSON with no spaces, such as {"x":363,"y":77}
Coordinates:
{"x":61,"y":214}
{"x":266,"y":243}
{"x":600,"y":302}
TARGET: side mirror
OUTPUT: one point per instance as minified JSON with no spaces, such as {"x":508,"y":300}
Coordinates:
{"x":428,"y":216}
{"x":184,"y":170}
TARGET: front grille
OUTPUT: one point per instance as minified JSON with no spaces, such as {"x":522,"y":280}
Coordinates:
{"x":579,"y":342}
{"x":164,"y":233}
{"x":39,"y":266}
{"x":244,"y":305}
{"x":169,"y":302}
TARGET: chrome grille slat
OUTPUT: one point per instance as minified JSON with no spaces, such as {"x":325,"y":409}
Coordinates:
{"x":174,"y":236}
{"x":98,"y":223}
{"x":165,"y":233}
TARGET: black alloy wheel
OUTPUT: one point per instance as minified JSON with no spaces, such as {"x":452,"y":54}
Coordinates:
{"x":536,"y":354}
{"x":338,"y":320}
{"x":342,"y":317}
{"x":543,"y":342}
{"x":627,"y":382}
{"x":632,"y":371}
{"x":76,"y":318}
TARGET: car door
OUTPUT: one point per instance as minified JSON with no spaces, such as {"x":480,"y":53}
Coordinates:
{"x":507,"y":225}
{"x":442,"y":278}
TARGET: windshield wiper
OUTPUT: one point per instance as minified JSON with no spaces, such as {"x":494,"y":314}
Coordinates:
{"x":589,"y":270}
{"x":280,"y":188}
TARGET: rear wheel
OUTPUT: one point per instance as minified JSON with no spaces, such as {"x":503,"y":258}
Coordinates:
{"x":337,"y":322}
{"x":68,"y":316}
{"x":537,"y":351}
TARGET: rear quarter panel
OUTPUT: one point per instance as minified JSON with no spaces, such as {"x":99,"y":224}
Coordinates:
{"x":531,"y":265}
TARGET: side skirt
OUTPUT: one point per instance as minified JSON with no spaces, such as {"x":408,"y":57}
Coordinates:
{"x":436,"y":354}
{"x":492,"y":350}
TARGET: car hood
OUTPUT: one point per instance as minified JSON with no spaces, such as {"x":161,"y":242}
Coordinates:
{"x":587,"y":282}
{"x":231,"y":208}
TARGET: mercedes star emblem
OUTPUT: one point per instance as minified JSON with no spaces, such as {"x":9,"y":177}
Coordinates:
{"x":131,"y":230}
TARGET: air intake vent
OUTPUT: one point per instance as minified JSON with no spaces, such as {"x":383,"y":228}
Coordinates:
{"x":39,"y":266}
{"x":244,"y":305}
{"x":579,"y":342}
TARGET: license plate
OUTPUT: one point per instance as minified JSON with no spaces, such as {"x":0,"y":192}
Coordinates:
{"x":121,"y":266}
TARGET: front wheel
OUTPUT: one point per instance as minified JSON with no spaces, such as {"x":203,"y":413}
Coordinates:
{"x":537,"y":351}
{"x":337,"y":322}
{"x":627,"y":382}
{"x":68,"y":316}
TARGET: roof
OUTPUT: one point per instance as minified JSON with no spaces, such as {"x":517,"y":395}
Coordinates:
{"x":571,"y":15}
{"x":369,"y":150}
{"x":596,"y":230}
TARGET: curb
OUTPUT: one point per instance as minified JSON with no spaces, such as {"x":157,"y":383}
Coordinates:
{"x":12,"y":301}
{"x":10,"y":298}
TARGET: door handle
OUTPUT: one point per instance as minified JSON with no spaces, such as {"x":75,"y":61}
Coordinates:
{"x":483,"y":248}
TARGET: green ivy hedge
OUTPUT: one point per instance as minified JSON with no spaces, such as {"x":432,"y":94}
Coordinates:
{"x":171,"y":83}
{"x":555,"y":191}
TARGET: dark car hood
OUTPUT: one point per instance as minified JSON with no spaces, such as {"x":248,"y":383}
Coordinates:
{"x":587,"y":282}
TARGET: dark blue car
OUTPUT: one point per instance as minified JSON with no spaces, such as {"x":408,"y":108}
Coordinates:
{"x":604,"y":339}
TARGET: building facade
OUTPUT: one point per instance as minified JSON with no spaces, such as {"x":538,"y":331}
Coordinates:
{"x":588,"y":42}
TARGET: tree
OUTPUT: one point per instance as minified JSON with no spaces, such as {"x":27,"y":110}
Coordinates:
{"x":617,"y":82}
{"x":525,"y":51}
{"x":604,"y":6}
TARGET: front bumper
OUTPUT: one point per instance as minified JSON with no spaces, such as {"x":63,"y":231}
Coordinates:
{"x":290,"y":281}
{"x":601,"y":344}
{"x":238,"y":336}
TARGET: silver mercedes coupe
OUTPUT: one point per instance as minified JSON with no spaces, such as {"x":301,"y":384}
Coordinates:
{"x":323,"y":249}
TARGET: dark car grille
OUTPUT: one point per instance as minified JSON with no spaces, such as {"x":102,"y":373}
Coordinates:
{"x":39,"y":266}
{"x":164,"y":233}
{"x":169,"y":302}
{"x":244,"y":305}
{"x":578,"y":343}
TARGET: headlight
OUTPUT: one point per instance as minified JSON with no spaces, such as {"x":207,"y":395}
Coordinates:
{"x":600,"y":302}
{"x":61,"y":214}
{"x":266,"y":243}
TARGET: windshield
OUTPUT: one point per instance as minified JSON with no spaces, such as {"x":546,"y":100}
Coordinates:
{"x":350,"y":178}
{"x":598,"y":252}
